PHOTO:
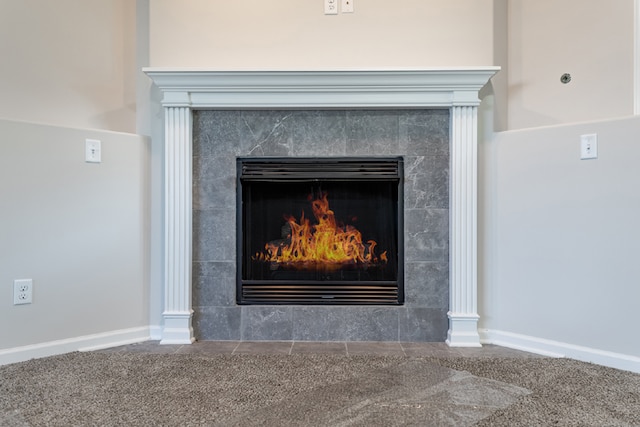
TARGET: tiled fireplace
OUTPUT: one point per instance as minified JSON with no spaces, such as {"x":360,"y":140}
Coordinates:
{"x":427,"y":118}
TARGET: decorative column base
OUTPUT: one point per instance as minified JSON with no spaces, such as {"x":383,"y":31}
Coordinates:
{"x":177,"y":328}
{"x":463,"y":330}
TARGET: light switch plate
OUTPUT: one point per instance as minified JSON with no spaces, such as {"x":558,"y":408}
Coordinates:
{"x":92,"y":151}
{"x":589,"y":146}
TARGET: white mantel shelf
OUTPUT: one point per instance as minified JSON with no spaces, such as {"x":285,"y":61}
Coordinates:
{"x":407,"y":88}
{"x":456,"y":88}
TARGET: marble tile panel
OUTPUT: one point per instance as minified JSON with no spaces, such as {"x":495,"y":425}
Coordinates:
{"x":217,"y":323}
{"x":416,"y":182}
{"x":426,"y":235}
{"x":214,"y":235}
{"x":418,"y":324}
{"x":438,"y":176}
{"x":272,"y":347}
{"x":319,"y":133}
{"x":426,"y":182}
{"x":387,"y":348}
{"x":265,"y":133}
{"x":427,"y":284}
{"x":267,"y":323}
{"x":214,"y":182}
{"x":345,"y":323}
{"x":424,"y":132}
{"x":372,"y":132}
{"x":429,"y":349}
{"x":316,"y":347}
{"x":214,"y":283}
{"x":216,"y":132}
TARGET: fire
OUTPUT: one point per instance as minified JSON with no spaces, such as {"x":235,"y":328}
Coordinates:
{"x":325,"y":243}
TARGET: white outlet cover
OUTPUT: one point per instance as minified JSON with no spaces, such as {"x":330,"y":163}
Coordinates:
{"x":347,"y":6}
{"x":22,"y":291}
{"x":330,"y":7}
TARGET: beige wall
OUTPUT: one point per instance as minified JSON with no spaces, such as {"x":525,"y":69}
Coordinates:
{"x":296,"y":34}
{"x":535,"y":42}
{"x":69,"y":62}
{"x":79,"y":230}
{"x":75,"y":62}
{"x":590,"y":39}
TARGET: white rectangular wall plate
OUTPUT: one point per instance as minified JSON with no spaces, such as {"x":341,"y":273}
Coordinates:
{"x":22,"y":291}
{"x":330,"y":7}
{"x":92,"y":151}
{"x":589,"y":146}
{"x":347,"y":6}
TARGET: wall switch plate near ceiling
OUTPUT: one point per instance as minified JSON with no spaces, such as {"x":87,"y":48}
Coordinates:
{"x":589,"y":146}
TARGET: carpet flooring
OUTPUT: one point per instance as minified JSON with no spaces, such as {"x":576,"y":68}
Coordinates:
{"x":129,"y":389}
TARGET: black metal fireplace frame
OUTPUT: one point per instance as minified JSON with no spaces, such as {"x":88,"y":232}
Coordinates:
{"x":330,"y":292}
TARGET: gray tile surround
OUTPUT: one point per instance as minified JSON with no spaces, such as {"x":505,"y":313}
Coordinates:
{"x":420,"y":136}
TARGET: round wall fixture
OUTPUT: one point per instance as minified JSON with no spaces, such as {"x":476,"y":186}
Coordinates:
{"x":565,"y":78}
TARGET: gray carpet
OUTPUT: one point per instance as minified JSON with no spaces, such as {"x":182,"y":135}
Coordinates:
{"x":130,"y":389}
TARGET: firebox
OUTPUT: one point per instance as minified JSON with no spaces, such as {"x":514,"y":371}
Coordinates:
{"x":320,"y":231}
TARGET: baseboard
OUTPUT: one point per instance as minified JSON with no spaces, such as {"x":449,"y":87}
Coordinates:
{"x":155,"y":332}
{"x":83,"y":343}
{"x":560,"y":349}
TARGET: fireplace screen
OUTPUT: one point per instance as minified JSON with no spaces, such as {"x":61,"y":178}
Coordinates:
{"x":320,"y":231}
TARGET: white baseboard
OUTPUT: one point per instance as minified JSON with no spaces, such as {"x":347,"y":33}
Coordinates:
{"x":155,"y":332}
{"x":560,"y":349}
{"x":83,"y":343}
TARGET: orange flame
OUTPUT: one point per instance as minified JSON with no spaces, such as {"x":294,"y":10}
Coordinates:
{"x":324,"y":243}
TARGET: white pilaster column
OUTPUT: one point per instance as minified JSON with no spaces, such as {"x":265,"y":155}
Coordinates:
{"x":177,"y":233}
{"x":463,"y":316}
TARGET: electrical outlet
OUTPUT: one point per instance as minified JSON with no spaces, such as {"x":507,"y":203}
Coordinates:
{"x":330,"y":7}
{"x":22,"y":291}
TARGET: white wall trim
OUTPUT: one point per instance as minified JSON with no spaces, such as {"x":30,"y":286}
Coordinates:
{"x":560,"y":349}
{"x":458,"y":89}
{"x":177,"y":236}
{"x":463,"y":229}
{"x":155,"y":332}
{"x":636,"y":57}
{"x":82,"y":343}
{"x":382,"y":88}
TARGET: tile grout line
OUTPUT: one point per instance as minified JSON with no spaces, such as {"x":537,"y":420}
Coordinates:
{"x":235,"y":348}
{"x":402,"y":348}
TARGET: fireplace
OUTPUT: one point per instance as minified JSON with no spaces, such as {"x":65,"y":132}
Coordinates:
{"x":347,"y":93}
{"x":325,"y":231}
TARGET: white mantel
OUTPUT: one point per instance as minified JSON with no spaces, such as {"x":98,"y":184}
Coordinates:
{"x":454,"y":88}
